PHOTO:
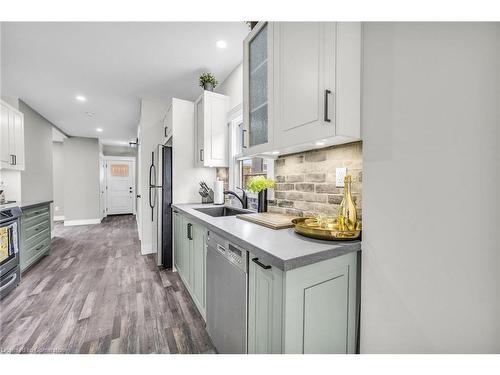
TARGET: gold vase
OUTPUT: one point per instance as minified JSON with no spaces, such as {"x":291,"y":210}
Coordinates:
{"x":347,"y":216}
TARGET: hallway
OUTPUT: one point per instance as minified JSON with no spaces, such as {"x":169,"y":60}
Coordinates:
{"x":96,"y":293}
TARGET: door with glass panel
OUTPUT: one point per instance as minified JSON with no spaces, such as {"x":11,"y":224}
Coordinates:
{"x":120,"y":186}
{"x":257,"y":95}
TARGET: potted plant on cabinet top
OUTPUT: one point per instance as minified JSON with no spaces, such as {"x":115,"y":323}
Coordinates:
{"x":259,"y":185}
{"x":208,"y":81}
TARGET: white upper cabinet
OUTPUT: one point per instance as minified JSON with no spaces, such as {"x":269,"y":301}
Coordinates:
{"x":11,"y":138}
{"x":167,"y":125}
{"x":314,"y":85}
{"x":211,"y":130}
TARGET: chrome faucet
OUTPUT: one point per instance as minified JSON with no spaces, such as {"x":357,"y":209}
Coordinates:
{"x":243,"y":200}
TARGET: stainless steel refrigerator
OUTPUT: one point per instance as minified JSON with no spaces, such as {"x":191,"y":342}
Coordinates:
{"x":160,"y":201}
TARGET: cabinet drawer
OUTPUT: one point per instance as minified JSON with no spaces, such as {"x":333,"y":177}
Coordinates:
{"x":35,"y":253}
{"x":41,"y":245}
{"x":35,"y":212}
{"x":30,"y":230}
{"x":36,"y":239}
{"x":35,"y":220}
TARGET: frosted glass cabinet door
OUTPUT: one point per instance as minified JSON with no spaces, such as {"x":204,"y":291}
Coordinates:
{"x":258,"y":88}
{"x":257,"y":69}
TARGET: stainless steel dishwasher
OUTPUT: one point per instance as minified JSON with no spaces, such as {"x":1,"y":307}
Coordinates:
{"x":227,"y":280}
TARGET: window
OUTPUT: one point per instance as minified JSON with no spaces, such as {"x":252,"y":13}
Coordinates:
{"x":240,"y":168}
{"x":251,"y":168}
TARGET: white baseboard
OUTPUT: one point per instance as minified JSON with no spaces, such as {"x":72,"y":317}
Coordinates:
{"x":59,"y":218}
{"x":138,"y":228}
{"x":69,"y":223}
{"x":147,"y":249}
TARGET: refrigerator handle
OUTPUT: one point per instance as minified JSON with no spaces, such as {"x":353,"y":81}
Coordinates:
{"x":151,"y":171}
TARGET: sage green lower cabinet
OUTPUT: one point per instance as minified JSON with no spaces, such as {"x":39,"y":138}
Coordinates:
{"x":311,"y":309}
{"x":35,"y":235}
{"x":179,"y":243}
{"x":265,"y":309}
{"x":198,"y":256}
{"x":190,"y":254}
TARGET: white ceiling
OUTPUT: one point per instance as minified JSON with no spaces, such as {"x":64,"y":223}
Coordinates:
{"x":113,"y":65}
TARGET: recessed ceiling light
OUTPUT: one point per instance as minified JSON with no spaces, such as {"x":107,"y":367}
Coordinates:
{"x":320,"y":143}
{"x":221,"y":44}
{"x":81,"y":98}
{"x":99,"y":130}
{"x":276,"y":152}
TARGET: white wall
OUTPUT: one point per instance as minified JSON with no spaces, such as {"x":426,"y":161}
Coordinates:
{"x":233,"y":87}
{"x":151,"y":134}
{"x":430,"y":271}
{"x":58,"y":179}
{"x":36,"y":179}
{"x":81,"y":180}
{"x":112,"y":150}
{"x":12,"y":184}
{"x":185,"y":176}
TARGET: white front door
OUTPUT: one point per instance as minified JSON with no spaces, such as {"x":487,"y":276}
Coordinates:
{"x":120,"y":183}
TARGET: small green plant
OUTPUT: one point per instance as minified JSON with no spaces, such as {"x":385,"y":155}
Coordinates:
{"x":208,"y":78}
{"x":259,"y":183}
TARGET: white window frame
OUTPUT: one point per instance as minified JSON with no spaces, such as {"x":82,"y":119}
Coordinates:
{"x":235,"y":155}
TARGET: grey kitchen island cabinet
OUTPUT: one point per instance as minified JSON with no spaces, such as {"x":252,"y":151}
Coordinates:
{"x":35,"y":233}
{"x":311,"y":309}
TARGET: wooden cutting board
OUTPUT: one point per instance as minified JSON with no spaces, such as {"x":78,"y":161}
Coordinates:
{"x":269,"y":220}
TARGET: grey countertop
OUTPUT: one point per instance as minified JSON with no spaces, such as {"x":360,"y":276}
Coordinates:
{"x":29,"y":204}
{"x":282,"y":248}
{"x":25,"y":204}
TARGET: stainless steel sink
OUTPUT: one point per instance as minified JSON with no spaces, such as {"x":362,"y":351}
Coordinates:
{"x":222,"y":211}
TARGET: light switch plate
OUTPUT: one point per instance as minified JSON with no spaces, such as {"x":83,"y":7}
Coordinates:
{"x":339,"y":177}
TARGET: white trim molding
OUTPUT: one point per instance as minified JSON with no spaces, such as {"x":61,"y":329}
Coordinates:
{"x":123,"y":158}
{"x":69,"y":223}
{"x":147,"y":249}
{"x":59,"y":218}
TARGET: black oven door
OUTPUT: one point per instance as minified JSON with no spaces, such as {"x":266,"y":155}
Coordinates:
{"x":9,"y":258}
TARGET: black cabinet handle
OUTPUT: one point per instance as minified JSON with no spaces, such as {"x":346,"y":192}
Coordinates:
{"x":166,"y":130}
{"x":12,"y":159}
{"x":256,"y":260}
{"x":189,"y":231}
{"x":327,"y":92}
{"x":201,"y":155}
{"x":243,"y":138}
{"x":15,"y":159}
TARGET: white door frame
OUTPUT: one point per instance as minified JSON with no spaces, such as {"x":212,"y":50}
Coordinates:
{"x":131,"y":159}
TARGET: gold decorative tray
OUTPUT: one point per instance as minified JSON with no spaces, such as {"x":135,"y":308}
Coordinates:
{"x":312,"y":227}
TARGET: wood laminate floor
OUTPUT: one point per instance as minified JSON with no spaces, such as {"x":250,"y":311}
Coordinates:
{"x":96,"y":293}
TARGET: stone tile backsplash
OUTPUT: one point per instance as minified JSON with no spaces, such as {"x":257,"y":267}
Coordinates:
{"x":305,"y":182}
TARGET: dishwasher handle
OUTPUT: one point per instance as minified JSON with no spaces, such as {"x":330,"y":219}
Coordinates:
{"x":256,"y":261}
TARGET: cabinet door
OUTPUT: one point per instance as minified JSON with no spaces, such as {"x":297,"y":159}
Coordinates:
{"x":186,"y":252}
{"x":304,"y":81}
{"x":199,"y":252}
{"x":264,"y":309}
{"x":258,"y":89}
{"x":182,"y":247}
{"x":199,"y":156}
{"x":321,"y":307}
{"x":216,"y":130}
{"x":4,"y":137}
{"x":167,"y":125}
{"x":17,"y":140}
{"x":178,"y":241}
